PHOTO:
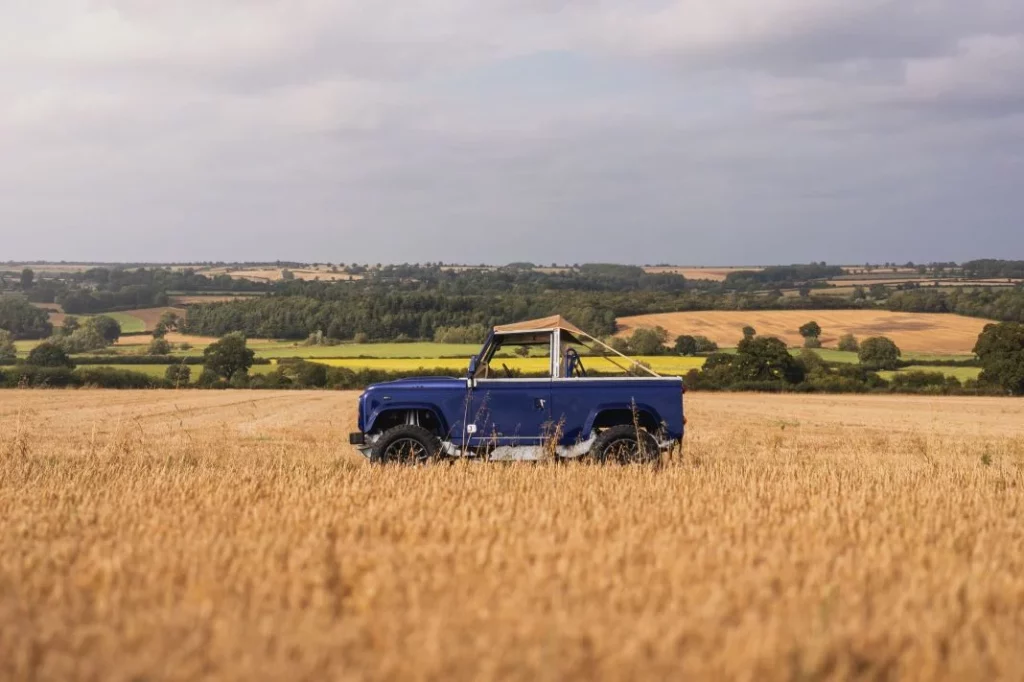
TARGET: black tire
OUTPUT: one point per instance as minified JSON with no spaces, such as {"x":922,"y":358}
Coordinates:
{"x":405,"y":444}
{"x":624,"y":444}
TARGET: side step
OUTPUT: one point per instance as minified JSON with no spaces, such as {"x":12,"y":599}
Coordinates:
{"x":521,"y":453}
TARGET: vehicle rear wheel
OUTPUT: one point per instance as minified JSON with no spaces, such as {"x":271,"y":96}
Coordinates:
{"x":405,"y":444}
{"x":624,"y":444}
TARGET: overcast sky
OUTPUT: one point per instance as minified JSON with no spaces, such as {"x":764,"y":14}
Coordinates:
{"x":641,"y":131}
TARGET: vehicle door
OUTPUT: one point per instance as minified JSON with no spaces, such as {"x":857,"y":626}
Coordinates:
{"x":512,"y":412}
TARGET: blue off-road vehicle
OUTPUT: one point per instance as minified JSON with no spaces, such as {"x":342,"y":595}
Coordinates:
{"x":493,"y":413}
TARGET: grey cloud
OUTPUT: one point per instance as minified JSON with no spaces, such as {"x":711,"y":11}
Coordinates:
{"x":321,"y":130}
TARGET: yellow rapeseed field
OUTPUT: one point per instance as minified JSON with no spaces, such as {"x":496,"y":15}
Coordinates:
{"x":233,"y":535}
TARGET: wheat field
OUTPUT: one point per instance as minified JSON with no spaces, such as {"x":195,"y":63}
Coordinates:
{"x":233,"y":535}
{"x":925,"y":332}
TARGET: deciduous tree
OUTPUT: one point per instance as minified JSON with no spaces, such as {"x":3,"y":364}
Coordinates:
{"x":178,"y":375}
{"x":1000,"y":348}
{"x":810,"y":330}
{"x":105,"y":326}
{"x":229,"y":356}
{"x":686,"y":345}
{"x":647,"y":341}
{"x":705,"y":345}
{"x":7,"y":348}
{"x":879,"y":352}
{"x":766,"y":358}
{"x":159,"y":346}
{"x":848,"y":342}
{"x":49,"y":354}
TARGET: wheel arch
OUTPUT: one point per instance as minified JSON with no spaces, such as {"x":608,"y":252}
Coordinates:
{"x":604,"y":416}
{"x":426,"y":415}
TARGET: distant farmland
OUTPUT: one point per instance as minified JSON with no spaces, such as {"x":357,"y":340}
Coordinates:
{"x":937,"y":333}
{"x":274,"y":274}
{"x":714,"y":274}
{"x":131,"y":321}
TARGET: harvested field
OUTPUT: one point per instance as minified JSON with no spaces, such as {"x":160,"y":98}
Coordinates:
{"x":233,"y":535}
{"x":927,"y":282}
{"x":43,"y":269}
{"x":274,"y":274}
{"x":714,"y":274}
{"x":878,"y":270}
{"x":936,"y":333}
{"x":53,"y":312}
{"x":196,"y":300}
{"x":173,"y":337}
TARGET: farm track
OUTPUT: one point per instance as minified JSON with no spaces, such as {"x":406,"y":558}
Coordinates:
{"x":231,"y":535}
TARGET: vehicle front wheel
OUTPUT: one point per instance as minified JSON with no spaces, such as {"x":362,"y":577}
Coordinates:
{"x":405,"y":444}
{"x":624,"y":444}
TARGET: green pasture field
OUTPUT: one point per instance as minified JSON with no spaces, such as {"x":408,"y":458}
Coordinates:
{"x":833,"y":355}
{"x":830,"y":355}
{"x":23,"y":347}
{"x":961,"y":373}
{"x":935,"y":357}
{"x":129,"y":323}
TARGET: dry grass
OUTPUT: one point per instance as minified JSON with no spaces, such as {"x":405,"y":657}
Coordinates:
{"x":232,"y":535}
{"x":929,"y":332}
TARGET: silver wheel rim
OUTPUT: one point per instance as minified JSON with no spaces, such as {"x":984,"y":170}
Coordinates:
{"x":625,"y":450}
{"x":406,"y":451}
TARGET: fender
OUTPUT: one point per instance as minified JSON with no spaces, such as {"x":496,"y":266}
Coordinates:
{"x":371,"y":419}
{"x":588,"y":425}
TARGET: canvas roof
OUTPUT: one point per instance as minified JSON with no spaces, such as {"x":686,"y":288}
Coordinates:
{"x":541,"y":324}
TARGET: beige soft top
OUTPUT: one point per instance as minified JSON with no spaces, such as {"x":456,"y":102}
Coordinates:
{"x":543,"y":324}
{"x":570,"y":333}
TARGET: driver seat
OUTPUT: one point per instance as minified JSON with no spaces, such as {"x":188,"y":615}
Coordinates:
{"x":573,"y":363}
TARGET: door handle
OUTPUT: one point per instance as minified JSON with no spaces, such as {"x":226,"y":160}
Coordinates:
{"x":539,"y":403}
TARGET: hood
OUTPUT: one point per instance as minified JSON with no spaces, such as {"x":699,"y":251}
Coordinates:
{"x":418,"y":382}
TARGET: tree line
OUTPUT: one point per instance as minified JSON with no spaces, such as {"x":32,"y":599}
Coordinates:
{"x":402,"y":313}
{"x":760,"y":363}
{"x":415,"y":301}
{"x":106,"y":289}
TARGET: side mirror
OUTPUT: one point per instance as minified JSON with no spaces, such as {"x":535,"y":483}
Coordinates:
{"x":474,"y":362}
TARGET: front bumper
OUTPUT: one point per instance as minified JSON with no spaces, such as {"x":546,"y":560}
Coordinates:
{"x":357,"y":438}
